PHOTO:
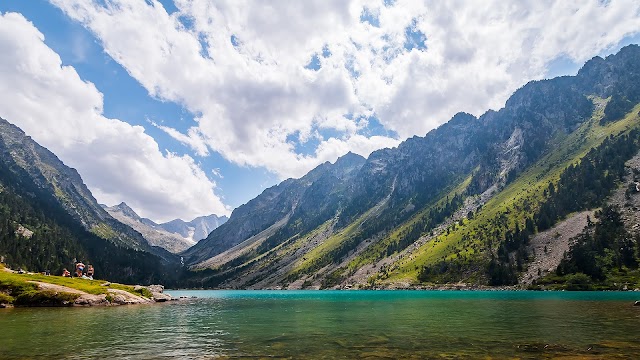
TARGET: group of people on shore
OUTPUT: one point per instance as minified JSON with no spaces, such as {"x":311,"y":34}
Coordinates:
{"x":79,"y":272}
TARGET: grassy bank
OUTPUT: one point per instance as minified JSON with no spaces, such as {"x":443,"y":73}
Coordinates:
{"x":20,"y":289}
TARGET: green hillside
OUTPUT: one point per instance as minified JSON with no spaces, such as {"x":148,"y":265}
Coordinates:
{"x":469,"y":246}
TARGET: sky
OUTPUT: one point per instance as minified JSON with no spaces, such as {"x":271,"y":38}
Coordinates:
{"x":183,"y":108}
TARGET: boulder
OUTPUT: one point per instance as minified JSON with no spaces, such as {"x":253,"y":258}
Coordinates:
{"x":120,"y":299}
{"x":637,"y":303}
{"x":160,"y":297}
{"x":156,"y":288}
{"x":91,"y":300}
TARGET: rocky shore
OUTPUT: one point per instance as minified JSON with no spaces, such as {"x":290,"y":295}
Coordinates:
{"x":120,"y":297}
{"x":113,"y":297}
{"x":37,"y":290}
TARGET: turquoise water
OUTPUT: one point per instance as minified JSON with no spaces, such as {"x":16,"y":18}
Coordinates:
{"x":334,"y":325}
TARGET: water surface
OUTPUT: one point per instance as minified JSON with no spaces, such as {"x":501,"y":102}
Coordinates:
{"x":334,"y":324}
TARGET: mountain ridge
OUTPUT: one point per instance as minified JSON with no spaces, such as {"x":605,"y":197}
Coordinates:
{"x":413,"y":188}
{"x":175,"y":236}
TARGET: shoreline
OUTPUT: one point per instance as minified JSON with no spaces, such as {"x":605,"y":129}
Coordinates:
{"x":37,"y":290}
{"x":417,"y":288}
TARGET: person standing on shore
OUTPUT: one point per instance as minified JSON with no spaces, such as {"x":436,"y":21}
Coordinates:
{"x":79,"y":269}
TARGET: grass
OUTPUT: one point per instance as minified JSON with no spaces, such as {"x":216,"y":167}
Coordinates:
{"x":332,"y":243}
{"x":104,"y":231}
{"x":512,"y":201}
{"x":13,"y":286}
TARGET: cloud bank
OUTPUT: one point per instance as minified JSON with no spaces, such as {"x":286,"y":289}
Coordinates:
{"x":51,"y":103}
{"x":267,"y":77}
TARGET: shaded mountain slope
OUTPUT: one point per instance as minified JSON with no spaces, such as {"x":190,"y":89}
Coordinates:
{"x":47,"y":172}
{"x":64,"y":222}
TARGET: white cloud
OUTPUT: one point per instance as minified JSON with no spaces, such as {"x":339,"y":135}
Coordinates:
{"x":193,"y":139}
{"x":51,"y":103}
{"x":251,"y":95}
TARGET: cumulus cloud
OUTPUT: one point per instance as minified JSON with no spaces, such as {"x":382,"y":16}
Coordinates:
{"x":51,"y":103}
{"x":242,"y":66}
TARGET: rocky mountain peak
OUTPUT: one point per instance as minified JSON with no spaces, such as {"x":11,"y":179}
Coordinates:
{"x":125,"y":210}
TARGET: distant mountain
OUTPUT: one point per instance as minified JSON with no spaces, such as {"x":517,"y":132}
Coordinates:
{"x":49,"y":199}
{"x":314,"y":196}
{"x":154,"y":236}
{"x":174,"y":236}
{"x":459,"y":204}
{"x":194,"y":230}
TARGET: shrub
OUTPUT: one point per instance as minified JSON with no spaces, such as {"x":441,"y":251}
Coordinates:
{"x":578,"y":282}
{"x":5,"y":299}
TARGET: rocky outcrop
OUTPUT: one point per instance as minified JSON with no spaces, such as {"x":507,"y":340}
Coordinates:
{"x":549,"y":247}
{"x":121,"y":297}
{"x":24,"y":232}
{"x":158,"y":293}
{"x":92,"y":300}
{"x":112,"y":297}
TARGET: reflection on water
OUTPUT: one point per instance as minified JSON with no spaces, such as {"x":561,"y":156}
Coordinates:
{"x":333,"y":324}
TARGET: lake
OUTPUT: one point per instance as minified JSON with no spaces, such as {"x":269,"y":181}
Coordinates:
{"x":334,"y":325}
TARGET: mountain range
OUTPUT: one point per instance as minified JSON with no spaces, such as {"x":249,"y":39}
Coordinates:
{"x":438,"y":208}
{"x":175,"y":236}
{"x":542,"y":193}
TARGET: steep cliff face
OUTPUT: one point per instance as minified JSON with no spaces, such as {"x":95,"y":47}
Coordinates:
{"x":402,"y":209}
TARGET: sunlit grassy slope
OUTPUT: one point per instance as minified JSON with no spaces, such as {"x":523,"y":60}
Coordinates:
{"x":9,"y":280}
{"x":377,"y":250}
{"x":517,"y":200}
{"x":324,"y":250}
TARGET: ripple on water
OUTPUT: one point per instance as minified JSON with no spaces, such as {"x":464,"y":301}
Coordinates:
{"x":333,"y":325}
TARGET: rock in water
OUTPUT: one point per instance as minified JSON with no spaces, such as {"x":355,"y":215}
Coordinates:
{"x":160,"y":297}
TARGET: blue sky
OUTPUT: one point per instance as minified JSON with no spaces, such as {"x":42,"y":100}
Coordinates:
{"x":228,"y":99}
{"x":126,"y":99}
